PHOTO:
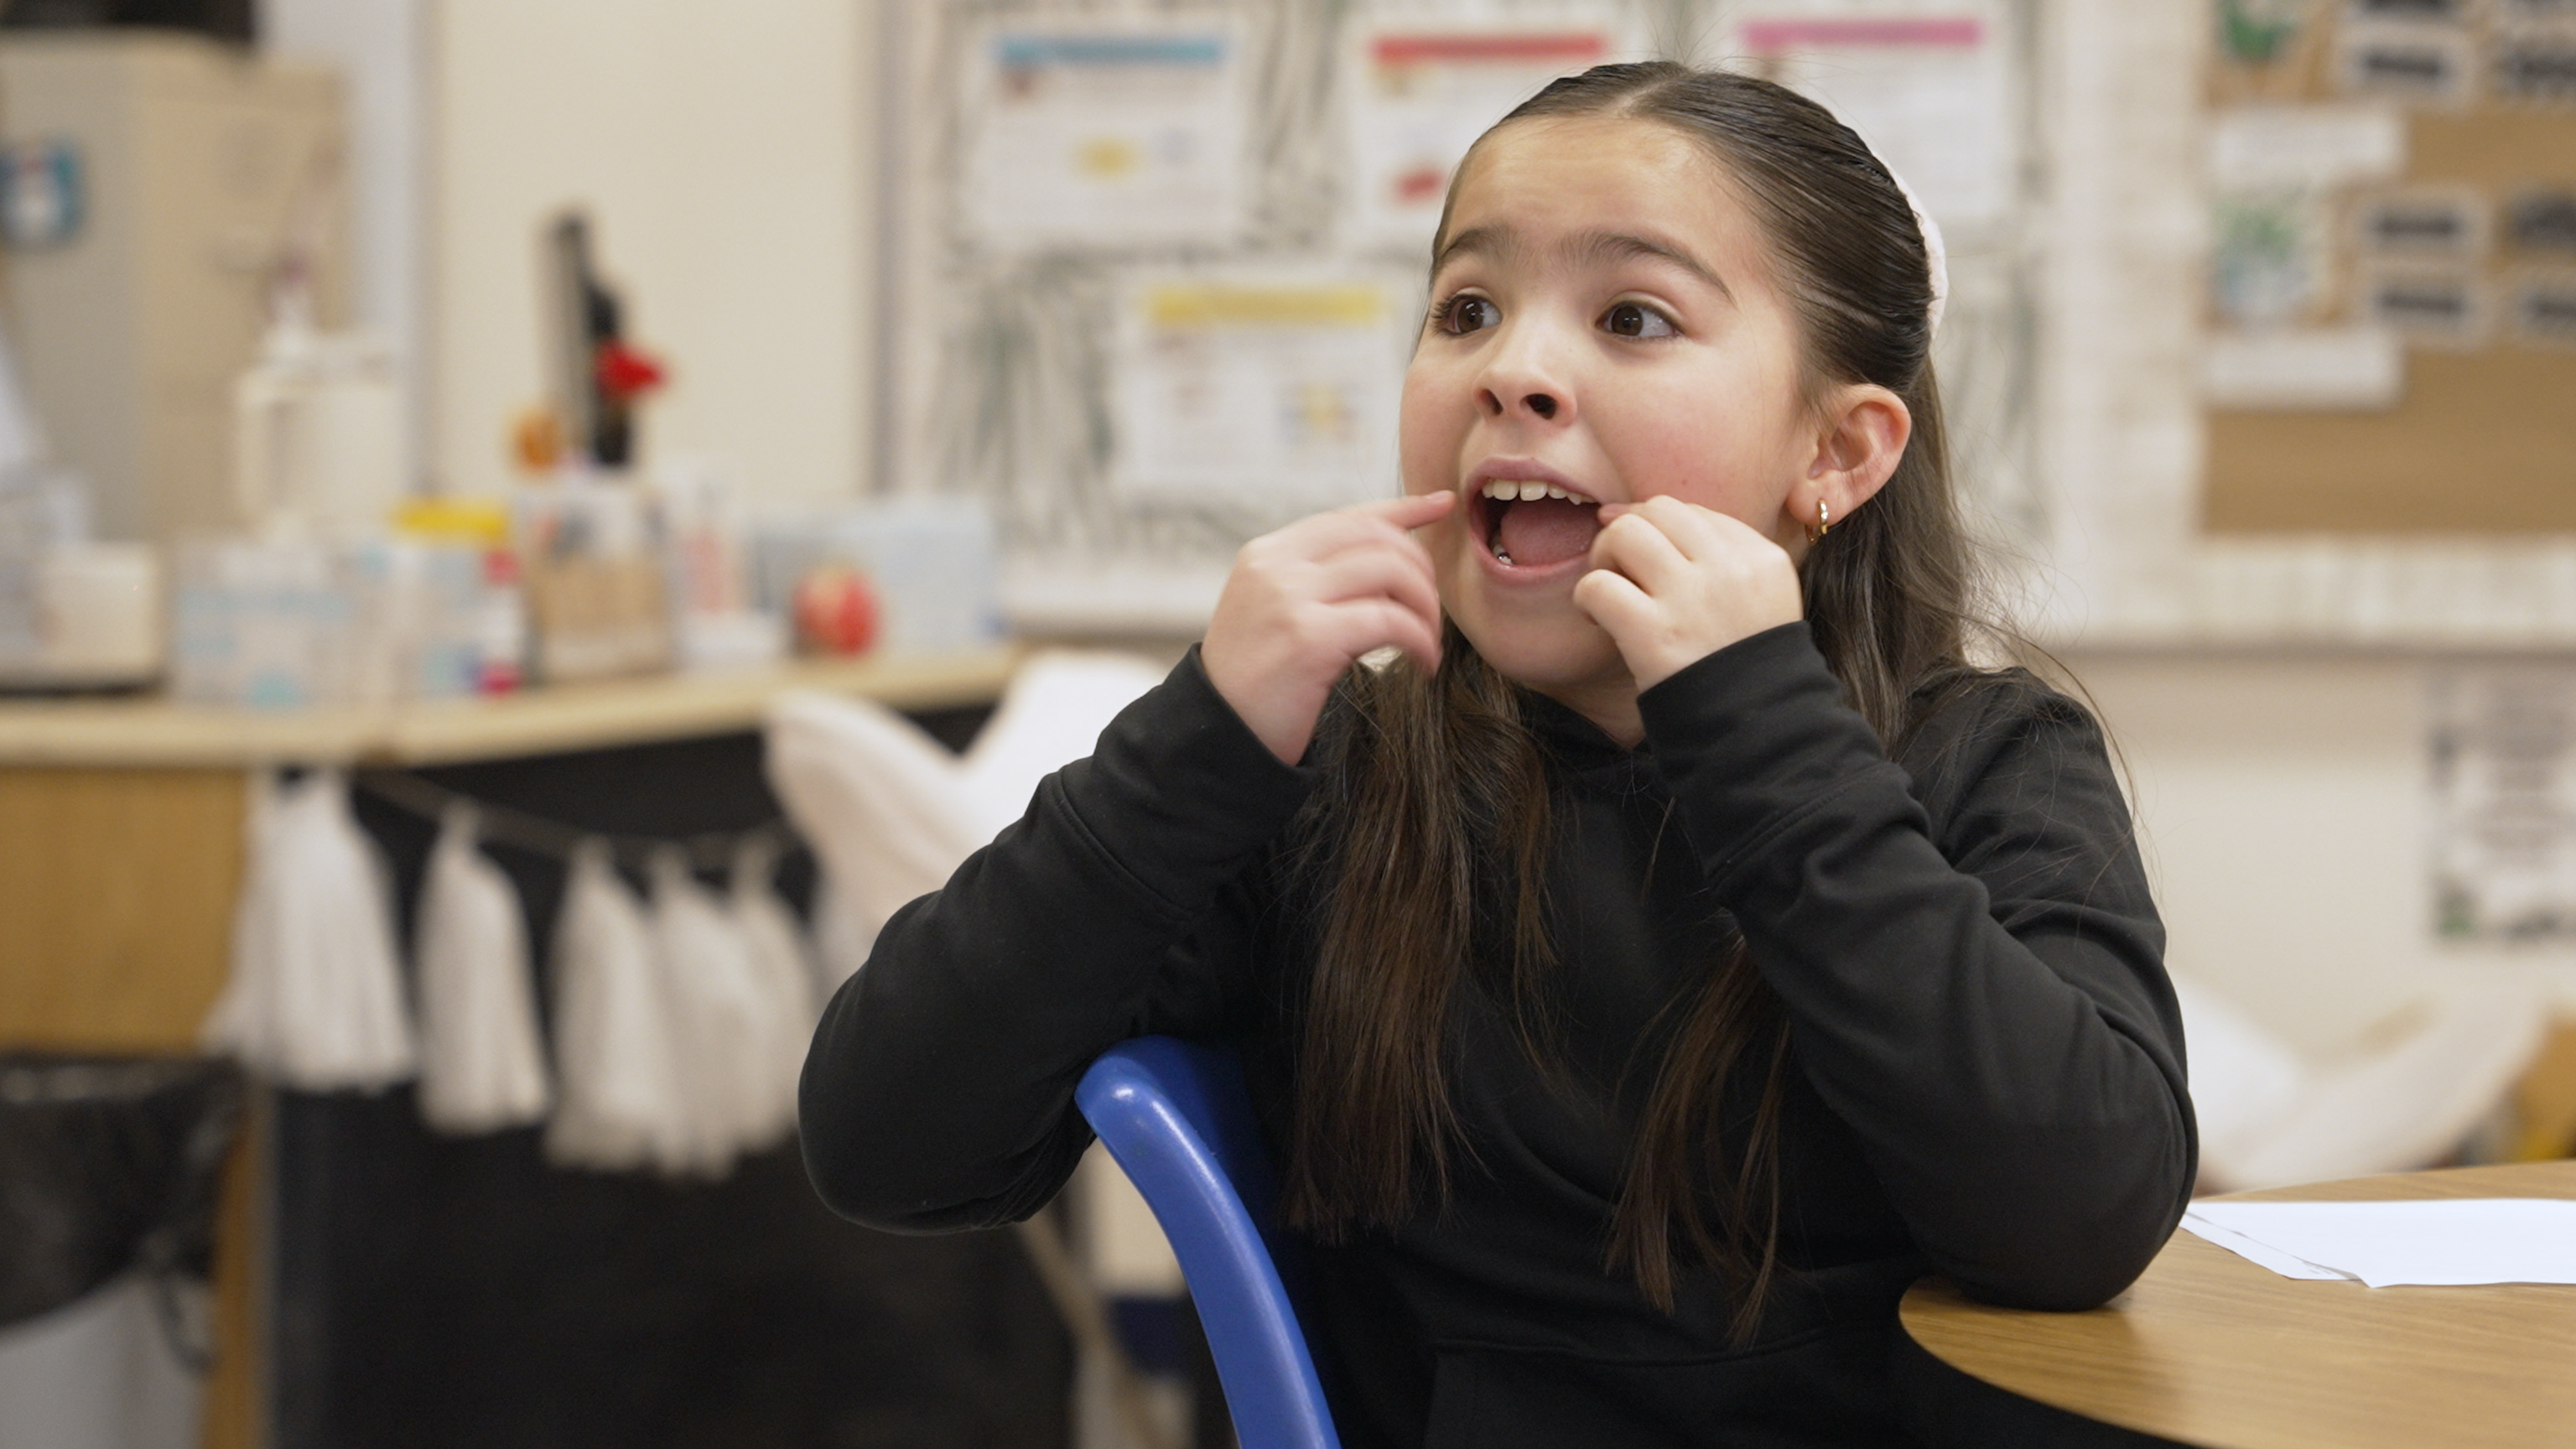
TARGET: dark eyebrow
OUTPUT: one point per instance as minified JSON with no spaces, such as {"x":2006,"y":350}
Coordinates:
{"x":1605,"y":246}
{"x":1501,"y":244}
{"x":1496,"y":242}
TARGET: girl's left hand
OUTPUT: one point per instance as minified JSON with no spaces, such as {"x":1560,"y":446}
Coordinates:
{"x":1673,"y":583}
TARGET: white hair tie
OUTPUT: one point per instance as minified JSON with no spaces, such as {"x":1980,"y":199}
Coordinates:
{"x":1936,"y":257}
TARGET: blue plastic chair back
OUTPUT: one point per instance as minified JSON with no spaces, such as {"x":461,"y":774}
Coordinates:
{"x":1176,"y":1117}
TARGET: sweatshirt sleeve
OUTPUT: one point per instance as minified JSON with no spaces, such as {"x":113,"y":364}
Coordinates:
{"x":938,"y":1092}
{"x":1983,"y":999}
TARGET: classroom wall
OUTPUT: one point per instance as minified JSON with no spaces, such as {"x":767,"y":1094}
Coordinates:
{"x":726,"y":155}
{"x":2285,"y":804}
{"x":2282,"y":797}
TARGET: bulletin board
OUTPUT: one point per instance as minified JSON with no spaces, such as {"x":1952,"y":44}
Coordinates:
{"x":2429,"y":278}
{"x":1154,"y":267}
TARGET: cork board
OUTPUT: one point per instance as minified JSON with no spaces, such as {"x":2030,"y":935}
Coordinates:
{"x":2482,"y":436}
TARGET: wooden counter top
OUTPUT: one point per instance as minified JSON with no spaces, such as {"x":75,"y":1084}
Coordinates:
{"x":151,"y":732}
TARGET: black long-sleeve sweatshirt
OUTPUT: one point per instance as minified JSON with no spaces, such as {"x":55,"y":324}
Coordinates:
{"x":1988,"y":1060}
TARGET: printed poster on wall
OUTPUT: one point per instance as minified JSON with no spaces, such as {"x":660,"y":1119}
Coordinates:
{"x":1932,"y":94}
{"x":1280,"y":392}
{"x":2274,"y":170}
{"x":1420,"y":98}
{"x":1105,"y":136}
{"x":2503,"y":766}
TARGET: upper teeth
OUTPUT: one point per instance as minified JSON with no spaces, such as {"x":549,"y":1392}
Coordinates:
{"x":1509,"y":489}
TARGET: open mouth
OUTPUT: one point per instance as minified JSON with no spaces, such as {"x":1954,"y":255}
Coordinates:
{"x":1527,"y":524}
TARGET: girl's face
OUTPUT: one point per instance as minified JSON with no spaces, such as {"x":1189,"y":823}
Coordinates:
{"x":1605,"y":323}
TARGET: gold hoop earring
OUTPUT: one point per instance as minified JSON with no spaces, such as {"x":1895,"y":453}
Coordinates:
{"x":1824,"y":523}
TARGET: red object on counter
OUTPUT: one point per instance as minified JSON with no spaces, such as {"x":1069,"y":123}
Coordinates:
{"x":624,"y":372}
{"x":836,"y":611}
{"x":503,"y":626}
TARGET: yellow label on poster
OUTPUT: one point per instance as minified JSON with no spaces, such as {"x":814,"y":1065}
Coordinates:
{"x":1220,"y":305}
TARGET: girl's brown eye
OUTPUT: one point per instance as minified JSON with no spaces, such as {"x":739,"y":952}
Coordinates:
{"x":1470,"y":314}
{"x":1632,"y":319}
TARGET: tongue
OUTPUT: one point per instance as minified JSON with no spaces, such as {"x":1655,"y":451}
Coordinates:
{"x":1542,"y":531}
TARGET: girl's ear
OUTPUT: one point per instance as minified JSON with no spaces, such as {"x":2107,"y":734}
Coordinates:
{"x":1865,"y":429}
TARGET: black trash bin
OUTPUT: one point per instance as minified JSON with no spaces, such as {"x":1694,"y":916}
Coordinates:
{"x":108,"y":1173}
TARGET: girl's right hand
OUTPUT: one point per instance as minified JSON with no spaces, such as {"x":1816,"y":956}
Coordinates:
{"x":1301,"y":604}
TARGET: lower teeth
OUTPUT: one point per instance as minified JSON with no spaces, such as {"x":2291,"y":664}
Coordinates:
{"x":1503,"y":554}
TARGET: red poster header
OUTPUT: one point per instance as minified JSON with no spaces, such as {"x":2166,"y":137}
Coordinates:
{"x":1526,"y":48}
{"x":1769,"y":37}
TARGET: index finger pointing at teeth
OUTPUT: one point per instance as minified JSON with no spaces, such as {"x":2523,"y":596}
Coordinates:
{"x":1413,"y":509}
{"x":1360,"y":522}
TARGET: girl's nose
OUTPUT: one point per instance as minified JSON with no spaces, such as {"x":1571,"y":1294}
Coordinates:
{"x":1536,"y":401}
{"x":1524,"y":377}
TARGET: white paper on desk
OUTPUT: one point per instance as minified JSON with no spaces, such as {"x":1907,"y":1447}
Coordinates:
{"x":2288,"y":1265}
{"x":2455,"y":1241}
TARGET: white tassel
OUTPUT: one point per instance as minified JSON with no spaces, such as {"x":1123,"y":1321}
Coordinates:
{"x":481,"y":1066}
{"x":622,"y":1102}
{"x":782,"y":965}
{"x":315,"y":998}
{"x":723,"y":1019}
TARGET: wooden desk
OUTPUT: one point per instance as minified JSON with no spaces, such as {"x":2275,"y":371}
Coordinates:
{"x":2209,"y":1349}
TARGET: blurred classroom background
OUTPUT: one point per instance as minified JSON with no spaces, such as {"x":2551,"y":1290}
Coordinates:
{"x":510,"y":513}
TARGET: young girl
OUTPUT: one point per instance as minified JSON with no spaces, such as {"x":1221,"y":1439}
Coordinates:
{"x":1683,"y":948}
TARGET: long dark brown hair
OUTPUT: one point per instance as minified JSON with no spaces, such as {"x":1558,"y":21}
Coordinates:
{"x":1428,"y":842}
